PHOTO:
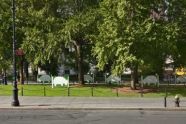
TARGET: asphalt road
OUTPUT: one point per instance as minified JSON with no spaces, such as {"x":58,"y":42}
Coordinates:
{"x":8,"y":116}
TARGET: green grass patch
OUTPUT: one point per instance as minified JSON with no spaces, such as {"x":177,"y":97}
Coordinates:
{"x":105,"y":92}
{"x":5,"y":90}
{"x":80,"y":91}
{"x":88,"y":91}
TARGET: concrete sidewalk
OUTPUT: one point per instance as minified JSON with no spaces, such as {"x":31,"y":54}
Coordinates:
{"x":91,"y":103}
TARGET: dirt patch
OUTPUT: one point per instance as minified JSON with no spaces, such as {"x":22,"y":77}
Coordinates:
{"x":138,"y":90}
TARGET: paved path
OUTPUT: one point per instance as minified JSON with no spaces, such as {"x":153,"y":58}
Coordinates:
{"x":91,"y":103}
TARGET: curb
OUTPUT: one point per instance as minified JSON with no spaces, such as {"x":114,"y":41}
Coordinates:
{"x":84,"y":108}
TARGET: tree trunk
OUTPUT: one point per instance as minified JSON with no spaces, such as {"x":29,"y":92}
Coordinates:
{"x":79,"y":62}
{"x":35,"y":73}
{"x":21,"y":72}
{"x":134,"y":75}
{"x":4,"y":77}
{"x":26,"y":70}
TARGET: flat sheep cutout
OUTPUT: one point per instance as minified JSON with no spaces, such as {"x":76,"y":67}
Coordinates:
{"x":60,"y":81}
{"x":151,"y":79}
{"x":44,"y":78}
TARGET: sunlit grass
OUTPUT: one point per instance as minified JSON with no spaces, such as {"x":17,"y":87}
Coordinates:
{"x":89,"y":91}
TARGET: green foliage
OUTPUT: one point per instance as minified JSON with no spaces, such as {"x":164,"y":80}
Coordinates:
{"x":77,"y":30}
{"x":38,"y":22}
{"x":129,"y":35}
{"x":5,"y":31}
{"x":123,"y":32}
{"x":49,"y":27}
{"x":179,"y":15}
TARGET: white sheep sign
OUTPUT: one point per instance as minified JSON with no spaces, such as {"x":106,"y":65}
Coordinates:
{"x":88,"y":78}
{"x":44,"y":78}
{"x":151,"y":79}
{"x":60,"y":80}
{"x":181,"y":79}
{"x":113,"y":79}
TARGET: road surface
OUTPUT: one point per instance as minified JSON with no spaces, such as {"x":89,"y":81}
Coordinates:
{"x":9,"y":116}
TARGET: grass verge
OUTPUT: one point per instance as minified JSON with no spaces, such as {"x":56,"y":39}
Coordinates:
{"x":96,"y":91}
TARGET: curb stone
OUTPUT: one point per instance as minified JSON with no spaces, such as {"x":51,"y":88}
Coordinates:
{"x":96,"y":108}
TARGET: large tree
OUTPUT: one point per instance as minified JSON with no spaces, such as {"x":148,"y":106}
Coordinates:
{"x":38,"y":23}
{"x":49,"y":27}
{"x":78,"y":27}
{"x":129,"y":36}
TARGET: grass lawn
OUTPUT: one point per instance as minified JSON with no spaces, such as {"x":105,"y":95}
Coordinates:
{"x":96,"y":91}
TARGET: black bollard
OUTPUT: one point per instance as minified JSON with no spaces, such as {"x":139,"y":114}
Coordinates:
{"x":165,"y":101}
{"x":165,"y":98}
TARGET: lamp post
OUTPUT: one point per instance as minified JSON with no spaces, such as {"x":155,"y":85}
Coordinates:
{"x":15,"y":101}
{"x":106,"y":74}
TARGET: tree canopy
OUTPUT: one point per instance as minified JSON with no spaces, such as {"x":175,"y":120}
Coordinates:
{"x":130,"y":35}
{"x":123,"y":33}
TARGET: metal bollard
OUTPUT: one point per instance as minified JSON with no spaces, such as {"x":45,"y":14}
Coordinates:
{"x":177,"y":101}
{"x":92,"y":91}
{"x":165,"y":101}
{"x":117,"y":93}
{"x":68,"y":91}
{"x":21,"y":91}
{"x":44,"y":91}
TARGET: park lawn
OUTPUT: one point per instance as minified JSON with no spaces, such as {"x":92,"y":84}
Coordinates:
{"x":88,"y":91}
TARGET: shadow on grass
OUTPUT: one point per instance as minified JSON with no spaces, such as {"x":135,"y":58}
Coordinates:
{"x":171,"y":90}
